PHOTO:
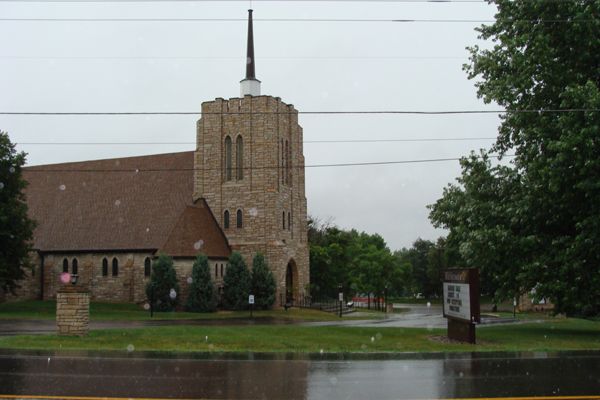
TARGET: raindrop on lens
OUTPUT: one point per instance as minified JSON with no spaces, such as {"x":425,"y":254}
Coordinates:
{"x":198,"y":244}
{"x":189,"y":280}
{"x":62,"y":187}
{"x":117,"y":203}
{"x":11,"y":170}
{"x":172,"y":294}
{"x":146,"y":306}
{"x":130,"y":348}
{"x":1,"y":185}
{"x":372,"y":339}
{"x":428,"y":304}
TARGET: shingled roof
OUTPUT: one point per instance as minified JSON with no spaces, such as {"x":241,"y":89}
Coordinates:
{"x":131,"y":203}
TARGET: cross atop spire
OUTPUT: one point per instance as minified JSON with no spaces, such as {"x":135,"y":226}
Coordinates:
{"x":250,"y":85}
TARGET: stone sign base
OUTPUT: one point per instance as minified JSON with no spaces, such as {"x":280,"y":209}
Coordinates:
{"x":462,"y":331}
{"x":73,"y":311}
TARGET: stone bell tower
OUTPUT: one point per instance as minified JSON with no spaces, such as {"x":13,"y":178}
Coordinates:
{"x":249,"y":167}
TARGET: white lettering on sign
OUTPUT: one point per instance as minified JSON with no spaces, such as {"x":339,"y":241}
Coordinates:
{"x":457,"y":302}
{"x":251,"y":299}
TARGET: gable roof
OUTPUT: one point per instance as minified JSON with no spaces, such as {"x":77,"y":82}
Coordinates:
{"x":195,"y":232}
{"x":130,"y":203}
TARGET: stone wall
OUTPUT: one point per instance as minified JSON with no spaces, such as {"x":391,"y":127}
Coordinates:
{"x":273,"y":181}
{"x":72,"y":311}
{"x":127,"y":286}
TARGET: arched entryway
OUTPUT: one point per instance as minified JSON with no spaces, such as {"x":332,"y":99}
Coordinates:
{"x":291,"y":283}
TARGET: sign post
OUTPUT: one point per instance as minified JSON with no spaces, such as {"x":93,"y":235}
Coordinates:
{"x":461,"y":303}
{"x":251,"y":302}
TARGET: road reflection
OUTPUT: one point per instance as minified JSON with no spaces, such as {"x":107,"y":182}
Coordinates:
{"x":276,"y":377}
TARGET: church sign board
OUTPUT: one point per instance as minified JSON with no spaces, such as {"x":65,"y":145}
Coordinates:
{"x":461,"y":303}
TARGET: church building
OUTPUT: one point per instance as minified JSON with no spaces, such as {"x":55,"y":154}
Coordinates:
{"x":242,"y":189}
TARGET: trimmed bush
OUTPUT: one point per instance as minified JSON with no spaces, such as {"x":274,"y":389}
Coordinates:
{"x":236,"y":283}
{"x":202,"y":295}
{"x":263,"y":283}
{"x":163,"y":282}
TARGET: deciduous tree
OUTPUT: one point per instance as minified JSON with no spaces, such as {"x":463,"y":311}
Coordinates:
{"x":16,"y":229}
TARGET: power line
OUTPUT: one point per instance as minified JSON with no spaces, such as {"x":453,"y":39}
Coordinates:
{"x":371,"y":112}
{"x":305,"y":142}
{"x":15,"y":57}
{"x":139,"y":170}
{"x":328,"y":20}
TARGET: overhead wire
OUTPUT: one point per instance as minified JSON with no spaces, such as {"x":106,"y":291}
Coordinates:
{"x":355,"y":112}
{"x":330,"y":165}
{"x":304,"y":142}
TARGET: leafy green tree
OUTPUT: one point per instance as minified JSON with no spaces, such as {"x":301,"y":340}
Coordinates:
{"x":263,"y":283}
{"x":202,"y":296}
{"x":16,"y":229}
{"x":236,"y":283}
{"x":163,"y":287}
{"x":542,"y":210}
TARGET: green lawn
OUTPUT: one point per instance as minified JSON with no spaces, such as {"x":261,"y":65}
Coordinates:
{"x":133,"y":312}
{"x":560,"y":334}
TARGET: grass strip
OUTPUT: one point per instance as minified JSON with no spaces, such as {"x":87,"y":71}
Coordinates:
{"x":131,"y":312}
{"x":564,"y":334}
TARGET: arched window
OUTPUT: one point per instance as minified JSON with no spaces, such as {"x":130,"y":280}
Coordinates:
{"x":115,"y":267}
{"x":239,"y":157}
{"x":227,"y":158}
{"x":239,"y":222}
{"x":283,"y":220}
{"x":65,"y":265}
{"x":104,"y":267}
{"x":289,"y":221}
{"x":288,"y":162}
{"x":147,"y":266}
{"x":75,"y":268}
{"x":226,"y":219}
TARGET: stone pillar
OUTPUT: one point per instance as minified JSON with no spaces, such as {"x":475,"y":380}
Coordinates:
{"x":73,"y":311}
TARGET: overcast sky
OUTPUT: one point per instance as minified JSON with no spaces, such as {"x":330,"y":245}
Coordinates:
{"x":317,"y":66}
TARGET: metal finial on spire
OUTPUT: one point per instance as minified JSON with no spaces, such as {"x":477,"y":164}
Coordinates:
{"x":250,"y":85}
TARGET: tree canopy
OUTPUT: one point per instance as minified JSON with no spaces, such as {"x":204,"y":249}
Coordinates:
{"x":263,"y":283}
{"x":202,"y":295}
{"x":534,"y":223}
{"x":236,"y":283}
{"x":163,"y":288}
{"x":16,"y":229}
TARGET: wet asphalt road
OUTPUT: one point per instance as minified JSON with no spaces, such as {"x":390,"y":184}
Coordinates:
{"x":409,"y":377}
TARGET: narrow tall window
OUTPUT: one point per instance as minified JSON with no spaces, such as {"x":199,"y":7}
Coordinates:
{"x":281,"y":169}
{"x":239,"y":222}
{"x":75,"y":268}
{"x":226,"y":219}
{"x":115,"y":267}
{"x":104,"y":267}
{"x":228,"y":158}
{"x":289,"y":221}
{"x":287,"y":163}
{"x":221,"y":270}
{"x":216,"y":271}
{"x":283,"y":220}
{"x":65,"y":265}
{"x":239,"y":157}
{"x":147,"y":267}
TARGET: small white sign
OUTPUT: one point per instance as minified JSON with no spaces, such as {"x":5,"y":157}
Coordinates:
{"x":251,"y":299}
{"x":457,"y":302}
{"x":341,"y":296}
